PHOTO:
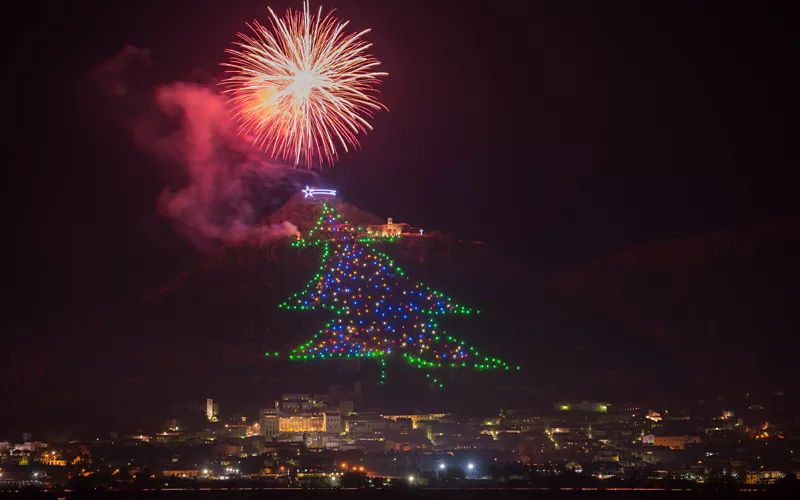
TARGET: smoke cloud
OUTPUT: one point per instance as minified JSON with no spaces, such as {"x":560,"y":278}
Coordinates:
{"x":215,"y":205}
{"x":189,"y":125}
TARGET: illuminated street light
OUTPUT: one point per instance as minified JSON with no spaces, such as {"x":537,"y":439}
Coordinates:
{"x":470,"y":466}
{"x":442,"y":466}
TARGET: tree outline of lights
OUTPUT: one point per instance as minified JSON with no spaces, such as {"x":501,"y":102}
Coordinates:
{"x":361,"y":286}
{"x":309,"y":192}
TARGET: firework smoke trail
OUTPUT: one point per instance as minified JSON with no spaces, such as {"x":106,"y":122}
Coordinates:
{"x":303,"y":87}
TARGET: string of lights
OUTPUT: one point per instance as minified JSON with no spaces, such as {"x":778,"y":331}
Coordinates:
{"x":377,"y":310}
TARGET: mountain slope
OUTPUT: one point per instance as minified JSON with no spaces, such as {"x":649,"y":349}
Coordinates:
{"x":655,"y":321}
{"x":719,"y":304}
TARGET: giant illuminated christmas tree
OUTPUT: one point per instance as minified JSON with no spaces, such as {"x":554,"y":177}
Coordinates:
{"x":377,"y":311}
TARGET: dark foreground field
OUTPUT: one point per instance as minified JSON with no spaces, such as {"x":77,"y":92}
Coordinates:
{"x":416,"y":494}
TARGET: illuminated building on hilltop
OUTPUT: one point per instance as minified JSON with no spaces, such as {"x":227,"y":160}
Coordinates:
{"x":388,"y":229}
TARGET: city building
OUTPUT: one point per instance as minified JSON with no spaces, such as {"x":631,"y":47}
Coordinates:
{"x":525,"y":420}
{"x":52,"y":459}
{"x":172,"y":425}
{"x":346,"y":407}
{"x":332,"y":422}
{"x":269,"y":422}
{"x":343,"y":399}
{"x":672,"y":442}
{"x":325,"y":440}
{"x":180,"y":473}
{"x":212,"y":410}
{"x":30,"y":446}
{"x":297,"y":403}
{"x":606,"y":455}
{"x":763,"y":476}
{"x":302,"y":422}
{"x":654,"y":416}
{"x":234,"y":428}
{"x":363,"y":424}
{"x":416,"y":418}
{"x":587,"y":406}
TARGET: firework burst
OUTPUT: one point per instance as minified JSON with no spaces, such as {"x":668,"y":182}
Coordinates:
{"x":304,"y":87}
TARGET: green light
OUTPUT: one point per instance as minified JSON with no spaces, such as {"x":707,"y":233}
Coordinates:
{"x":342,"y":306}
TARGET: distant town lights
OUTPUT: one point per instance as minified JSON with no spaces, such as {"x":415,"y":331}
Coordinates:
{"x":310,"y":192}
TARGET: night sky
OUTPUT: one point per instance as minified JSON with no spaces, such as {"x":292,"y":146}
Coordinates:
{"x":558,"y":133}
